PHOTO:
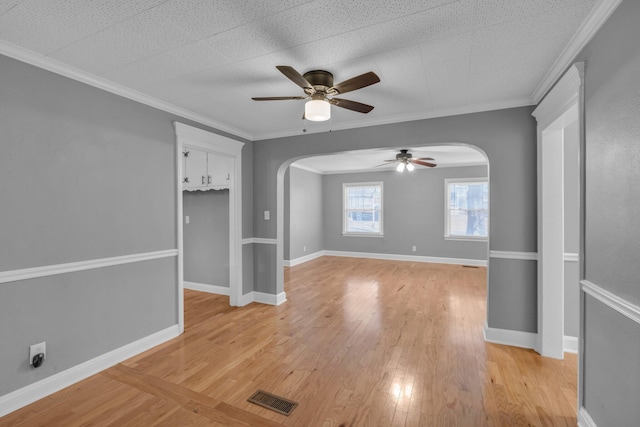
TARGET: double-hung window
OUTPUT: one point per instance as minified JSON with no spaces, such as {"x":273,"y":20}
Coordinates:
{"x":362,"y":209}
{"x":466,"y":208}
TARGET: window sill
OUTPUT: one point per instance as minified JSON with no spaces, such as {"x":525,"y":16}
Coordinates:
{"x":467,"y":238}
{"x":361,"y":235}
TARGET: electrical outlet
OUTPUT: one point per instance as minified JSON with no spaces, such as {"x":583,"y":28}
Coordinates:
{"x":187,"y":219}
{"x":304,"y":249}
{"x":267,"y":215}
{"x":37,"y":349}
{"x":413,"y":248}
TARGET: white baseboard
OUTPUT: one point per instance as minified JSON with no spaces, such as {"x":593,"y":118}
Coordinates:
{"x":414,"y":258}
{"x":245,"y":299}
{"x":584,"y":419}
{"x":202,"y":287}
{"x":570,"y":344}
{"x":509,"y":337}
{"x":270,"y":299}
{"x":263,"y":298}
{"x":524,"y":339}
{"x":43,"y":388}
{"x":303,"y":259}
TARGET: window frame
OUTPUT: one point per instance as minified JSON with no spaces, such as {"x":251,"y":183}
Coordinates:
{"x":345,"y":186}
{"x":447,"y":217}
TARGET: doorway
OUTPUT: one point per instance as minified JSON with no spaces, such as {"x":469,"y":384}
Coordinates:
{"x":232,"y":150}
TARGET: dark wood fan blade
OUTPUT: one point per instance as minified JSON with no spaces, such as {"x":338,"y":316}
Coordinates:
{"x":420,"y":162}
{"x":294,"y":76}
{"x":351,"y":105}
{"x":358,"y":82}
{"x":278,"y":98}
{"x":424,"y":158}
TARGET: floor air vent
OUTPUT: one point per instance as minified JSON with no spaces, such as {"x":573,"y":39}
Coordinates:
{"x":271,"y":401}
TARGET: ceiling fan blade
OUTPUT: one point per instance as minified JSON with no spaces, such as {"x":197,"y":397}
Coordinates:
{"x":383,"y":164}
{"x":351,"y":105}
{"x":420,"y":162}
{"x":424,"y":158}
{"x":278,"y":98}
{"x":295,"y":76}
{"x":357,"y":82}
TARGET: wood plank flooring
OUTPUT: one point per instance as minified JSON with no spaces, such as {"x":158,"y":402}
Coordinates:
{"x":358,"y":343}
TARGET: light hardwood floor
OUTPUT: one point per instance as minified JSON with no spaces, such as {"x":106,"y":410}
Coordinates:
{"x":359,"y":342}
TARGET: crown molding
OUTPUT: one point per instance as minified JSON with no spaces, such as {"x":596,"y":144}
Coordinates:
{"x":393,"y":169}
{"x":598,"y":16}
{"x":57,"y":67}
{"x":562,"y":98}
{"x":431,"y":114}
{"x":307,"y":168}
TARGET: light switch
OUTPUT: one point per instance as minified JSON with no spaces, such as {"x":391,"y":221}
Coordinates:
{"x":267,"y":215}
{"x":186,"y":219}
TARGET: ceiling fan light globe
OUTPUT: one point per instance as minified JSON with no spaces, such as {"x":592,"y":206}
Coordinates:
{"x":410,"y":167}
{"x":400,"y":167}
{"x":317,"y":110}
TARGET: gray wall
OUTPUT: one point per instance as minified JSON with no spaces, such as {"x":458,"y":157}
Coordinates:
{"x":413,"y":214}
{"x":84,"y":174}
{"x":508,"y":137}
{"x":611,"y":373}
{"x":305,"y":214}
{"x":206,"y":237}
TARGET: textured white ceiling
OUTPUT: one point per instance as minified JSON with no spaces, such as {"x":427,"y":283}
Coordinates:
{"x":211,"y":56}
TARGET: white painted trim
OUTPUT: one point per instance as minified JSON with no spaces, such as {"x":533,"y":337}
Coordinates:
{"x":263,"y":298}
{"x":598,"y":16}
{"x":571,"y":257}
{"x":570,"y":344}
{"x":50,"y":270}
{"x":50,"y":64}
{"x":198,"y":138}
{"x":270,"y":299}
{"x":40,"y":389}
{"x":584,"y":419}
{"x":509,"y":337}
{"x":613,"y":301}
{"x":563,"y":96}
{"x":259,"y":240}
{"x":303,"y":259}
{"x":192,"y":136}
{"x":179,"y":230}
{"x":527,"y":256}
{"x":245,"y":299}
{"x":203,"y":287}
{"x":561,"y":107}
{"x":414,"y":258}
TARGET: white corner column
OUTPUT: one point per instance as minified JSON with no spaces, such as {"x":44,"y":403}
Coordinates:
{"x":556,"y":112}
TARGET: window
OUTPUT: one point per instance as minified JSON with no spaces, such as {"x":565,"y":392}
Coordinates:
{"x":466,"y":208}
{"x":362,"y":209}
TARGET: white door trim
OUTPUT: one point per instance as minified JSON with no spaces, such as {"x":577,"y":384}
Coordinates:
{"x":189,"y":135}
{"x":558,"y":109}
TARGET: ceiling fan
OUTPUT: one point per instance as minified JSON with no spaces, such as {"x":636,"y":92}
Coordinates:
{"x":406,"y":161}
{"x":320,"y":91}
